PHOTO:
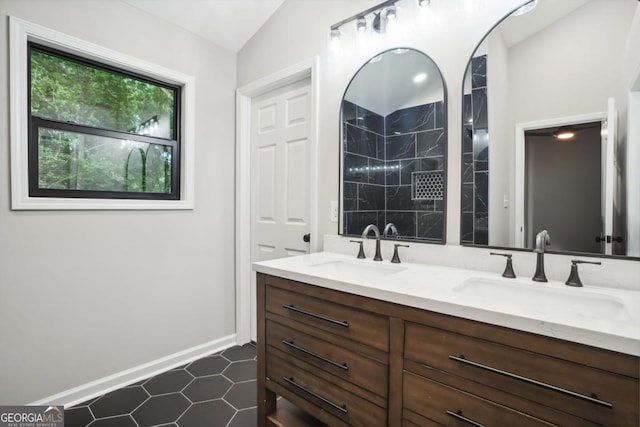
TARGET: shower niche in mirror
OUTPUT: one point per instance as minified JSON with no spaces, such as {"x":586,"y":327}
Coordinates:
{"x":393,"y":147}
{"x":550,"y":134}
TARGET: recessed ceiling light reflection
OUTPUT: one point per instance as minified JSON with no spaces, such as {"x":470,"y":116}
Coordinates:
{"x":525,"y":8}
{"x":565,"y":133}
{"x":419,"y":78}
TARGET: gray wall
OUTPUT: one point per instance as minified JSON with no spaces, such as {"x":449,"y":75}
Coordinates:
{"x":84,"y":295}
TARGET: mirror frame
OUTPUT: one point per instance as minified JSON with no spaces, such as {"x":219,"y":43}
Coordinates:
{"x":445,"y":155}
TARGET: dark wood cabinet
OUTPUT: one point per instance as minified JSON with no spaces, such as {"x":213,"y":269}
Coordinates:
{"x":351,"y":360}
{"x":324,"y":351}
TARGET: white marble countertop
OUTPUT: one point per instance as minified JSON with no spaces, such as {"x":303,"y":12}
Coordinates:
{"x":602,"y":317}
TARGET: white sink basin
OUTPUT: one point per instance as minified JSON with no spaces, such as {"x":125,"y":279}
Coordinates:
{"x":362,"y":269}
{"x":572,"y":301}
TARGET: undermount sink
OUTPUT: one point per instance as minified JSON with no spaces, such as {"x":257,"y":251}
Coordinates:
{"x":530,"y":296}
{"x":363,"y":269}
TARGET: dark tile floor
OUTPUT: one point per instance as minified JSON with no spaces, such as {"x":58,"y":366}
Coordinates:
{"x":216,"y":391}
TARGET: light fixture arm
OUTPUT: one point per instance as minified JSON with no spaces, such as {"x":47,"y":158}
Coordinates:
{"x":380,"y":21}
{"x":364,"y":13}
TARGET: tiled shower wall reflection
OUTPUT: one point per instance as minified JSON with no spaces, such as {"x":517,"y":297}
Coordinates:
{"x":364,"y":169}
{"x":380,"y":154}
{"x":475,"y":158}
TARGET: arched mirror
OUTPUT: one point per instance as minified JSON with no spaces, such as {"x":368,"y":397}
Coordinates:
{"x":551,"y":138}
{"x":393,"y":147}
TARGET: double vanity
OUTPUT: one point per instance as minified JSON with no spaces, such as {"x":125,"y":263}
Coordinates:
{"x":357,"y":342}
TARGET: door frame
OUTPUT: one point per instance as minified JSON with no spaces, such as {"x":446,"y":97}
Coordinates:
{"x":244,"y":96}
{"x":520,"y":130}
{"x":632,"y":173}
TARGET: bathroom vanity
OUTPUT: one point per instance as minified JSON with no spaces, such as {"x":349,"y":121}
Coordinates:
{"x":354,"y":342}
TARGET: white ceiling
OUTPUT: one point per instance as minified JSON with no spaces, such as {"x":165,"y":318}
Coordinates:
{"x":385,"y":84}
{"x":227,"y":23}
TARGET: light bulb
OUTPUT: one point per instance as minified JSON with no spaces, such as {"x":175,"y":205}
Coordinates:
{"x":335,"y":34}
{"x":361,"y":24}
{"x":391,"y":13}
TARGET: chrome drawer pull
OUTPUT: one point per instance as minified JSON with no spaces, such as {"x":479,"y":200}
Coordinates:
{"x":317,"y":316}
{"x":317,"y":356}
{"x":461,"y":359}
{"x":459,"y":416}
{"x":291,"y":381}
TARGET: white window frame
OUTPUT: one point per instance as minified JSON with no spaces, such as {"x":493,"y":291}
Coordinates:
{"x":20,"y":33}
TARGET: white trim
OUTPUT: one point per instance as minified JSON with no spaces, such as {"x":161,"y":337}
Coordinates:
{"x":244,"y":95}
{"x":633,"y":173}
{"x":520,"y":129}
{"x":121,"y":379}
{"x":22,"y":31}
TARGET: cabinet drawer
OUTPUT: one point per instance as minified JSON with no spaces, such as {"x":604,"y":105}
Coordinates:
{"x":594,"y":394}
{"x":331,"y":357}
{"x":449,"y":406}
{"x":347,"y":406}
{"x":361,"y":326}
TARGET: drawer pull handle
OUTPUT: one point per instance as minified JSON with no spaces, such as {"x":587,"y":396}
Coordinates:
{"x":316,"y":355}
{"x":461,"y":359}
{"x":459,"y":416}
{"x":291,"y":381}
{"x":314,"y":315}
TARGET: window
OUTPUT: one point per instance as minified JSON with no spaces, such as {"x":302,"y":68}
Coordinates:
{"x":95,"y":129}
{"x":98,"y":132}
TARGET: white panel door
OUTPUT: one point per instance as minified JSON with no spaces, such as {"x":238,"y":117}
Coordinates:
{"x":280,"y":175}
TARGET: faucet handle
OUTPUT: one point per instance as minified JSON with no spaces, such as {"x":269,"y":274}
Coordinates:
{"x":508,"y":269}
{"x":361,"y":254}
{"x":396,"y":257}
{"x":574,"y":279}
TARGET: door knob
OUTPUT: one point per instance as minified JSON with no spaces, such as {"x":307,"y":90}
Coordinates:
{"x":306,"y":238}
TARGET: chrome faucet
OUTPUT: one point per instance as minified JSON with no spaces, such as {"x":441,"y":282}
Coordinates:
{"x":376,"y":232}
{"x":542,"y":240}
{"x":390,"y":227}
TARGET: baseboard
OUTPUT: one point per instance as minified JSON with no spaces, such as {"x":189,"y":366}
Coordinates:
{"x":121,"y":379}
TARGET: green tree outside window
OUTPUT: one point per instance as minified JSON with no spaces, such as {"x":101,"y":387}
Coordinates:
{"x":100,"y":130}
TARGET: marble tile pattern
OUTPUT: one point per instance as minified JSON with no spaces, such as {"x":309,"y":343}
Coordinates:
{"x":356,"y":221}
{"x":380,"y":154}
{"x":217,"y":390}
{"x":417,"y":139}
{"x":475,"y":158}
{"x":479,"y":71}
{"x":363,"y":167}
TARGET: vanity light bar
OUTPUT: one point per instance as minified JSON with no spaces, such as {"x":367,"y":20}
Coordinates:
{"x":362,"y":14}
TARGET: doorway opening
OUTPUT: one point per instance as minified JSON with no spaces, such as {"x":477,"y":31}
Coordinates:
{"x":563,"y":186}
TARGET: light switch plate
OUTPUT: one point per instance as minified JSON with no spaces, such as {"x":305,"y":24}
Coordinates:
{"x":335,"y":211}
